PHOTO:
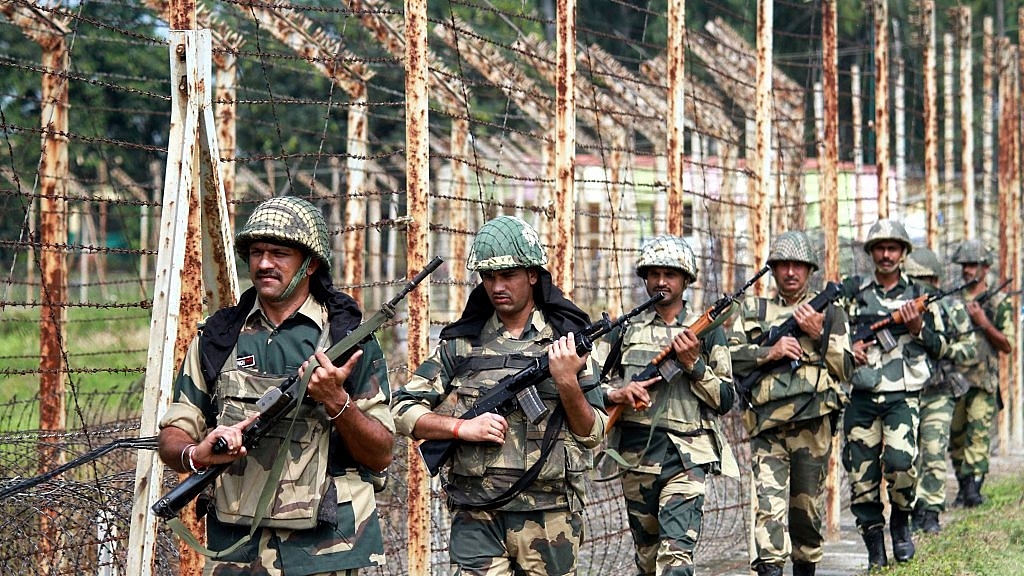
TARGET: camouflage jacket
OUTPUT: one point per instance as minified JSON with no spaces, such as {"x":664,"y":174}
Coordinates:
{"x":267,"y":354}
{"x":949,"y":373}
{"x":809,"y":391}
{"x":458,"y":372}
{"x":905,"y":367}
{"x":685,"y":405}
{"x":999,"y":309}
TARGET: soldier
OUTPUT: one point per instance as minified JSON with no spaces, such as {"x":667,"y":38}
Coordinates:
{"x":881,"y":421}
{"x":793,"y":408}
{"x":669,"y":446}
{"x":947,"y":382}
{"x":498,"y":524}
{"x":324,"y":517}
{"x":991,"y":315}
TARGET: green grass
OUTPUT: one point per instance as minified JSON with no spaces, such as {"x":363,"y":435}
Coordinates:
{"x":984,"y":541}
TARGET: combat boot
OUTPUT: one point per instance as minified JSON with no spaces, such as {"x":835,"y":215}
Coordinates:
{"x":917,"y":518}
{"x":960,"y":482}
{"x":803,"y":568}
{"x":768,"y":570}
{"x":874,"y":539}
{"x":930,"y":522}
{"x":902,"y":541}
{"x":972,"y":491}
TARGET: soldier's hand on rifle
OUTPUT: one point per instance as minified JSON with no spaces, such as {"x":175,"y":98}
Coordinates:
{"x":687,"y":348}
{"x":810,"y":322}
{"x":912,"y":317}
{"x":203,"y":456}
{"x":564,"y":363}
{"x":487,"y":427}
{"x":977,"y":313}
{"x":326,"y":382}
{"x":860,"y":355}
{"x":633,"y":394}
{"x":786,"y":347}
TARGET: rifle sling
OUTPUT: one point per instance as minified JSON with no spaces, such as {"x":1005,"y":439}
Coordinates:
{"x":554,"y":425}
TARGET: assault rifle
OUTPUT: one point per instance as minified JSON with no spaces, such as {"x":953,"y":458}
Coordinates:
{"x":712,"y":317}
{"x":788,"y":328}
{"x":988,"y":294}
{"x":278,"y":402}
{"x":881,"y":329}
{"x":519,"y":390}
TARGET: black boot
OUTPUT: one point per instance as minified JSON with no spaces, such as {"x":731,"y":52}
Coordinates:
{"x":874,"y":539}
{"x":959,"y":501}
{"x":899,"y":529}
{"x":804,"y":568}
{"x":930,"y":522}
{"x":768,"y":570}
{"x":972,"y":491}
{"x":917,"y":518}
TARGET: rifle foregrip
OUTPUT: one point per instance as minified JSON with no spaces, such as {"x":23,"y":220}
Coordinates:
{"x":171,"y":504}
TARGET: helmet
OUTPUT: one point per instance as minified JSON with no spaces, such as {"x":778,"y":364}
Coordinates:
{"x":506,"y":242}
{"x":667,"y":252}
{"x":290,"y":221}
{"x":793,"y":246}
{"x":971,"y":252}
{"x":888,"y":230}
{"x":923,"y":262}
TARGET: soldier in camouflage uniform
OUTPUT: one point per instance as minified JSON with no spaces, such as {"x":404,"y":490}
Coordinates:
{"x":513,"y":317}
{"x":947,"y":382}
{"x":992,"y":320}
{"x":792,"y":412}
{"x":324,"y":517}
{"x":891,"y":367}
{"x":668,"y":439}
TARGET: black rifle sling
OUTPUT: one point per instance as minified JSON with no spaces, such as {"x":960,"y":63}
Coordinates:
{"x":554,"y":425}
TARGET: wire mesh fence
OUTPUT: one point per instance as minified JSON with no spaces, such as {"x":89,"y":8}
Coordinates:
{"x":309,"y":100}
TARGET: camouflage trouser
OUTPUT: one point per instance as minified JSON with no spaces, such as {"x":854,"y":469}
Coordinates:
{"x":492,"y":543}
{"x":790,"y":463}
{"x":268,"y":564}
{"x":970,"y":432}
{"x":881,"y":441}
{"x":665,"y":513}
{"x":932,"y":440}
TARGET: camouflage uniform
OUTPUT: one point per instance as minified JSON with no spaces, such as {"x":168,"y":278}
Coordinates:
{"x":791,"y":417}
{"x":938,"y":395}
{"x":540,"y":530}
{"x":670,"y":448}
{"x":880,"y":424}
{"x":324,"y":518}
{"x":971,"y":428}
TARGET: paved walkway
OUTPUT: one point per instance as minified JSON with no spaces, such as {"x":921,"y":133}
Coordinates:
{"x":847,"y":556}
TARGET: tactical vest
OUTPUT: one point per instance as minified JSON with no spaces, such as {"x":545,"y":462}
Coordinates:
{"x":675,"y":407}
{"x":304,"y":481}
{"x":482,"y":472}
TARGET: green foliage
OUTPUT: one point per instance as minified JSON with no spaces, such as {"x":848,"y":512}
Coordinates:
{"x":984,"y":541}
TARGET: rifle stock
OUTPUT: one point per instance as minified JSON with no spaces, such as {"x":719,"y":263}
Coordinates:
{"x":712,"y":317}
{"x":278,"y":402}
{"x":505,"y":396}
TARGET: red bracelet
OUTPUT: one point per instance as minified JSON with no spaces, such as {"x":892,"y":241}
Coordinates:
{"x":455,"y":430}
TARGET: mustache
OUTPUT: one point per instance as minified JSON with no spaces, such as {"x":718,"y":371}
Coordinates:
{"x":269,"y":274}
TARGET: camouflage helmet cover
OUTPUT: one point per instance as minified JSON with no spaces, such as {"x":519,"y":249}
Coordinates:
{"x":506,"y":242}
{"x":667,"y":252}
{"x":290,"y":221}
{"x":886,"y":229}
{"x":793,"y":246}
{"x":971,"y":252}
{"x":923,"y":262}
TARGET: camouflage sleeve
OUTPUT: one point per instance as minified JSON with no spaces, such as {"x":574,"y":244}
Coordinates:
{"x":1003,"y":320}
{"x":933,"y":334}
{"x":426,"y":390}
{"x":962,"y":344}
{"x":715,"y":387}
{"x":371,"y":387}
{"x":743,"y":354}
{"x":839,"y":353}
{"x":191,"y":406}
{"x":595,"y":397}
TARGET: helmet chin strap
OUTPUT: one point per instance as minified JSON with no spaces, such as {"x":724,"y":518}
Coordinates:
{"x":299,"y":275}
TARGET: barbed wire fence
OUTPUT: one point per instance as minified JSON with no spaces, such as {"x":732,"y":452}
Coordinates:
{"x":309,"y":100}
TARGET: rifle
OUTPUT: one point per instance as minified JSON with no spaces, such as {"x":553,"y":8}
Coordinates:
{"x":788,"y":328}
{"x":711,"y":318}
{"x":278,"y":402}
{"x":519,"y":390}
{"x":879,"y":329}
{"x":986,"y":295}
